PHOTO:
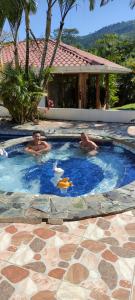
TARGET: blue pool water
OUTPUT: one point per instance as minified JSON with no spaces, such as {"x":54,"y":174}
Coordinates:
{"x":111,"y":168}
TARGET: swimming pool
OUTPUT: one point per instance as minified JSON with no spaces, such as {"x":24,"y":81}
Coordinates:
{"x":111,"y":168}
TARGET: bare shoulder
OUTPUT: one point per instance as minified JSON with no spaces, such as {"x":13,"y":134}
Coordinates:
{"x":29,"y":145}
{"x":46,"y":144}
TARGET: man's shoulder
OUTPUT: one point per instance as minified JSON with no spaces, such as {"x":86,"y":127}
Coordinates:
{"x":30,"y":144}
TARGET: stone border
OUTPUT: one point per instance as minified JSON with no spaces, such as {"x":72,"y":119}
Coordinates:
{"x":29,"y":208}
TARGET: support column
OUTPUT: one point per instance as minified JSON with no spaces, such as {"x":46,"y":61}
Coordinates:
{"x":98,"y":103}
{"x":82,"y":90}
{"x":106,"y":91}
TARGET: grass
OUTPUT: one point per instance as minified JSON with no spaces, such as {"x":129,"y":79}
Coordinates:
{"x":130,"y":106}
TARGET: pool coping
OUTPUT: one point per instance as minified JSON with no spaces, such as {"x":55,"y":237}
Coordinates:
{"x":32,"y":208}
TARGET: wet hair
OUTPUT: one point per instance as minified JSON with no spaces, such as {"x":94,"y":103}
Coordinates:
{"x":36,"y":132}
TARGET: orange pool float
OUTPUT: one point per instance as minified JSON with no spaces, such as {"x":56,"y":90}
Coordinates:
{"x":64,"y":183}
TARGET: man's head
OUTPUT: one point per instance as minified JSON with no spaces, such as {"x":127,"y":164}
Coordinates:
{"x":83,"y":136}
{"x":36,"y":136}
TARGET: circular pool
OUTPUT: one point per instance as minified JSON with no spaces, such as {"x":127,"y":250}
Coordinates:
{"x":111,"y":168}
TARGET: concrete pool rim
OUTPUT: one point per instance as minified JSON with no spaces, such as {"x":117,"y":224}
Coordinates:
{"x":30,"y":208}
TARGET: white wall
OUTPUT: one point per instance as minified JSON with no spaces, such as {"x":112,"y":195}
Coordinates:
{"x":89,"y":115}
{"x":42,"y":102}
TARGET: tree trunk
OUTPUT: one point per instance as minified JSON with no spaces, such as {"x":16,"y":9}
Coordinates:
{"x":46,"y":39}
{"x":54,"y":51}
{"x":27,"y":28}
{"x":16,"y":54}
{"x":57,"y":43}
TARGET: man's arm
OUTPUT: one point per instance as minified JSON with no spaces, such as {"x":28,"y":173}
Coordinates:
{"x":46,"y":148}
{"x":29,"y":149}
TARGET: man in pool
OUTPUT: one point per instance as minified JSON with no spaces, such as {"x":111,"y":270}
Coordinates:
{"x":87,"y":144}
{"x":37,"y":146}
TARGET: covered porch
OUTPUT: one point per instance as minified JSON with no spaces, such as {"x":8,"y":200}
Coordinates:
{"x":82,"y":86}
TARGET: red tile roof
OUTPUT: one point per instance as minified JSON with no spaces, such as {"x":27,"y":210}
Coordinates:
{"x":66,"y":55}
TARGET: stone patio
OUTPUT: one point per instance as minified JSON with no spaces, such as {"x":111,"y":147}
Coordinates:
{"x":90,"y":259}
{"x":85,"y":260}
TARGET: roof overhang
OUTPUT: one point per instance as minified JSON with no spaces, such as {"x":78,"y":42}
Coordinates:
{"x":91,"y":69}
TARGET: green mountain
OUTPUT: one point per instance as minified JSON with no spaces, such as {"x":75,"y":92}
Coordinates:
{"x":124,"y":29}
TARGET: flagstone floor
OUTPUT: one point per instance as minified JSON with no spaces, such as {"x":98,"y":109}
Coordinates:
{"x":90,"y":259}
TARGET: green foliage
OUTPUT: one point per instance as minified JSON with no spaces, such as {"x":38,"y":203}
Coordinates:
{"x":114,"y":48}
{"x":113,"y":90}
{"x":125,"y":30}
{"x":126,"y":84}
{"x":130,"y":106}
{"x":20,"y":96}
{"x":69,"y":35}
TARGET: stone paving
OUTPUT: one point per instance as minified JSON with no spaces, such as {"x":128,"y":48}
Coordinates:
{"x":90,"y":259}
{"x":50,"y":127}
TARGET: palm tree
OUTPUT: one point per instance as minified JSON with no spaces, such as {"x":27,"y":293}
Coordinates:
{"x":12,"y":11}
{"x":103,"y":2}
{"x":29,"y":6}
{"x":50,"y":4}
{"x":132,"y":3}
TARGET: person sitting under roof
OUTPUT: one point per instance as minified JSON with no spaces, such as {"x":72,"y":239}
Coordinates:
{"x":37,"y":146}
{"x":87,"y":144}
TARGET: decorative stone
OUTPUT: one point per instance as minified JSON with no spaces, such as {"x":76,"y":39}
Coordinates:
{"x":22,"y":236}
{"x":131,"y":239}
{"x":78,"y":253}
{"x":108,"y":274}
{"x":93,"y":246}
{"x":104,"y":224}
{"x":130,"y":228}
{"x":67,"y":251}
{"x":11,"y":229}
{"x":37,"y":257}
{"x":122,"y":252}
{"x":96,"y":295}
{"x":110,"y":240}
{"x":63,"y":264}
{"x":62,"y":228}
{"x":6,"y":290}
{"x":125,"y":284}
{"x":12,"y":248}
{"x":44,"y":233}
{"x":56,"y":273}
{"x":36,"y":266}
{"x":121,"y":294}
{"x":77,"y":273}
{"x":129,"y":245}
{"x":55,"y":221}
{"x":108,"y":255}
{"x":14,"y":274}
{"x":37,"y":245}
{"x":44,"y":295}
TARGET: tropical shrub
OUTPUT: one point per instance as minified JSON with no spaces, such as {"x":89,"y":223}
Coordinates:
{"x":19,"y":94}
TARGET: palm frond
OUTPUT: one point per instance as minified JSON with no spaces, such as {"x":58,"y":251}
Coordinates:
{"x":132,"y":3}
{"x":92,"y":4}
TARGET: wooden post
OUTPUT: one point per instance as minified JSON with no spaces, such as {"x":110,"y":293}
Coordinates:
{"x":98,"y":103}
{"x":82,"y":90}
{"x":106,"y":91}
{"x":79,"y":92}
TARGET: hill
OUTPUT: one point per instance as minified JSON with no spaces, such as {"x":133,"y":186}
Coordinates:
{"x":124,"y":29}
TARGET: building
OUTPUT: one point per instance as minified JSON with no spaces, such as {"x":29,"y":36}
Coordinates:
{"x":78,"y":79}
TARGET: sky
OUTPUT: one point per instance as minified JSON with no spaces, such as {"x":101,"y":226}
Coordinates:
{"x":80,"y":17}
